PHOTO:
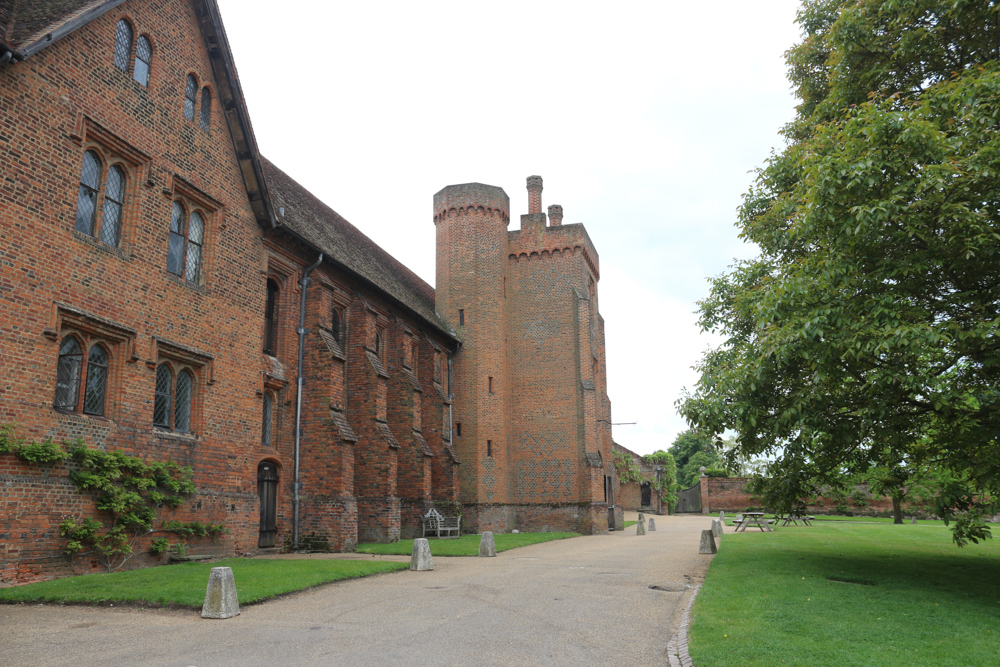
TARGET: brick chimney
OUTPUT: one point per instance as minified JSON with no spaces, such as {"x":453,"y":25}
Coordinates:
{"x":534,"y":194}
{"x":555,"y":215}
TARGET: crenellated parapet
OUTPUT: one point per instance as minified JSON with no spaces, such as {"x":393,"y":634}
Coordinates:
{"x":468,"y":197}
{"x":553,"y":241}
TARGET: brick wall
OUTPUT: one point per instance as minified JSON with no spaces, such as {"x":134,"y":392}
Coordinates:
{"x":728,"y":494}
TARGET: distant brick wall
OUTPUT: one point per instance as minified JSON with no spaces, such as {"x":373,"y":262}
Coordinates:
{"x":729,"y":494}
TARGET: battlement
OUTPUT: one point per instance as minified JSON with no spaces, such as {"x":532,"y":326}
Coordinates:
{"x":542,"y":242}
{"x":468,"y":196}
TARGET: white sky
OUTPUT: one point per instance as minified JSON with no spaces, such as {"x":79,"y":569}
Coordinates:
{"x":643,"y":119}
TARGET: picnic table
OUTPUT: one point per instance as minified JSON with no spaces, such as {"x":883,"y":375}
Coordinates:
{"x":794,"y":517}
{"x":753,"y":519}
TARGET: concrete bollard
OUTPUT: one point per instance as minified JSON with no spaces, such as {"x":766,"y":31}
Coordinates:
{"x":914,"y":521}
{"x":642,"y":517}
{"x":716,"y":527}
{"x":640,"y":528}
{"x":652,"y":525}
{"x":487,"y":546}
{"x":707,"y":545}
{"x":421,"y":559}
{"x":722,"y":518}
{"x":220,"y":596}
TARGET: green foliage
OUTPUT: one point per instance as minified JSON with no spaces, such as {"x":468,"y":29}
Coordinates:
{"x":865,"y":334}
{"x":127,"y":489}
{"x":689,"y":443}
{"x":159,"y":546}
{"x":716,"y":472}
{"x":690,"y":473}
{"x":666,"y":481}
{"x":627,"y":469}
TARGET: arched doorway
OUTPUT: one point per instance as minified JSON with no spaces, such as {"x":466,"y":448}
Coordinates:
{"x":647,"y":494}
{"x":267,"y":489}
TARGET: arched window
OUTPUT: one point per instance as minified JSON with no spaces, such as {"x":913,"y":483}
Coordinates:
{"x":86,"y":203}
{"x":163,"y":396}
{"x":175,"y":247}
{"x":378,"y":343}
{"x":114,"y":197}
{"x":265,"y":425}
{"x":206,"y":109}
{"x":68,"y":374}
{"x":97,"y":381}
{"x":123,"y":45}
{"x":335,"y":324}
{"x":143,"y":58}
{"x":182,"y":402}
{"x":271,"y":319}
{"x":190,"y":91}
{"x":196,"y":236}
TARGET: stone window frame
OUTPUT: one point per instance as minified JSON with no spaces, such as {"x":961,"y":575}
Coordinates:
{"x":85,"y":374}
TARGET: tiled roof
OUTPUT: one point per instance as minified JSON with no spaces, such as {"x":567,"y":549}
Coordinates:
{"x":342,"y":243}
{"x":34,"y":23}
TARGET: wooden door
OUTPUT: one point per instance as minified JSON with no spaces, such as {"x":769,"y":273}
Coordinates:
{"x":267,"y":489}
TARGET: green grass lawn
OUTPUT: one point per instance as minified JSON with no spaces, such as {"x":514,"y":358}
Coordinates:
{"x":629,"y":523}
{"x":843,"y":593}
{"x":185,"y":583}
{"x":466,"y":545}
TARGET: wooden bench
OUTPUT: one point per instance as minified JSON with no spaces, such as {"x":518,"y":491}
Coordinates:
{"x":434,"y":522}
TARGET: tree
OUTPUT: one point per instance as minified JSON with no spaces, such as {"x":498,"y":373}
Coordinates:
{"x":864,"y":336}
{"x":688,"y":443}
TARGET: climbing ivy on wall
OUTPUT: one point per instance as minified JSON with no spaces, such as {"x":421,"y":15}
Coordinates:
{"x":627,"y":469}
{"x":127,"y":490}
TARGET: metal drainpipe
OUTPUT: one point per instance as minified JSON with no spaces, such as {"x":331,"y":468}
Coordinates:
{"x":301,"y":331}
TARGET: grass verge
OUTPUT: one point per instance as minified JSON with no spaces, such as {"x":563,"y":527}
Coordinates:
{"x":466,"y":545}
{"x":184,"y":584}
{"x":842,"y":593}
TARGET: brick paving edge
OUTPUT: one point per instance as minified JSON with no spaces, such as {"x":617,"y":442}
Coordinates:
{"x":677,"y":647}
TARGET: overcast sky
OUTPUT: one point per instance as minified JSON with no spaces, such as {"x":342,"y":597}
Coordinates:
{"x":644,"y":119}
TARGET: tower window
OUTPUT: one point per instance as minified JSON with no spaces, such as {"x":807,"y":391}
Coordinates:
{"x":206,"y":109}
{"x":271,"y":319}
{"x":458,"y":429}
{"x":123,"y":45}
{"x":461,"y":317}
{"x":143,"y":58}
{"x":489,"y":448}
{"x":490,"y":384}
{"x":190,"y":91}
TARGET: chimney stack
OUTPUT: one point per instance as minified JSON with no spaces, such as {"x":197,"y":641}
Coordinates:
{"x":534,"y":194}
{"x":555,"y":215}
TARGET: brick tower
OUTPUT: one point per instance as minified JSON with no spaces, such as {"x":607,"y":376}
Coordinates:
{"x":531,"y":412}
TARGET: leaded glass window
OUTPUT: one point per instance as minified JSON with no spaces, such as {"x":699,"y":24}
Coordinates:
{"x":123,"y":45}
{"x":175,"y":247}
{"x":265,"y":427}
{"x":86,"y":203}
{"x":162,"y":397}
{"x":335,"y":324}
{"x":190,"y":90}
{"x":97,"y":381}
{"x":68,"y":374}
{"x":206,"y":109}
{"x":114,"y":196}
{"x":182,"y":402}
{"x":143,"y":58}
{"x":271,"y":319}
{"x":196,"y":236}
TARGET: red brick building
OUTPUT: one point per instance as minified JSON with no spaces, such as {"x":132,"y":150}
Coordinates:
{"x":532,"y":415}
{"x":155,"y":276}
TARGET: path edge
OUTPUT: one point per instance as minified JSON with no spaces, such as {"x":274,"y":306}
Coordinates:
{"x":677,"y":647}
